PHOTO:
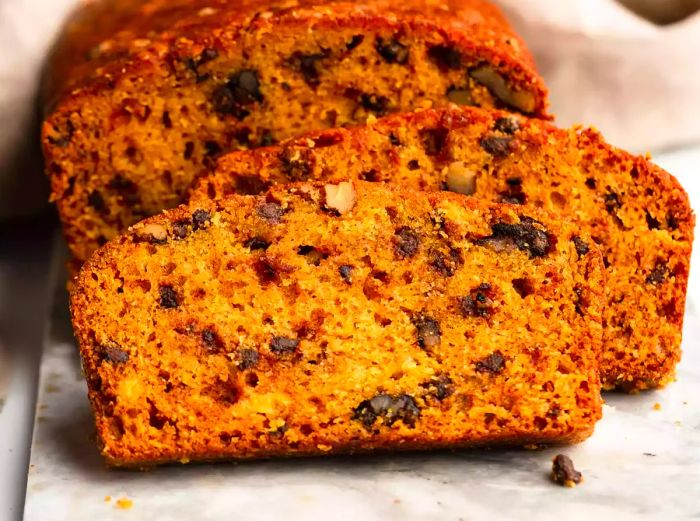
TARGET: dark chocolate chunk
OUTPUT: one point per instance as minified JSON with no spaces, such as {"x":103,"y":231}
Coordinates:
{"x":241,"y":90}
{"x":390,"y":408}
{"x":439,"y":387}
{"x":392,"y":51}
{"x":590,"y":183}
{"x":297,"y":163}
{"x":181,"y":228}
{"x":313,"y":255}
{"x":212,"y":148}
{"x":372,"y":175}
{"x":506,"y":125}
{"x":658,"y":274}
{"x":374,"y":103}
{"x":446,"y":263}
{"x":523,"y":287}
{"x":479,"y":302}
{"x":211,"y":340}
{"x":345,"y":271}
{"x":394,"y":140}
{"x":168,"y":297}
{"x":564,"y":473}
{"x":652,"y":223}
{"x":445,"y":56}
{"x":581,"y":246}
{"x":200,"y":218}
{"x":266,"y":139}
{"x":434,"y":140}
{"x":113,"y":354}
{"x":497,"y":146}
{"x":427,"y":331}
{"x":271,"y":212}
{"x":281,"y":345}
{"x":354,"y":41}
{"x":97,"y":202}
{"x":526,"y":236}
{"x":406,"y":242}
{"x":308,"y":65}
{"x":493,"y":364}
{"x":257,"y":243}
{"x":413,"y":164}
{"x":247,"y":358}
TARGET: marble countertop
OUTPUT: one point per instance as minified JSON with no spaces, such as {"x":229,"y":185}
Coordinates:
{"x":642,"y":463}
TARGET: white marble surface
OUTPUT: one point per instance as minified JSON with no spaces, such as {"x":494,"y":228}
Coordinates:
{"x":642,"y":463}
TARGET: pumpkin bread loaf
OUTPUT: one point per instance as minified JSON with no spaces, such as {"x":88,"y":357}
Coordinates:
{"x":343,"y":318}
{"x":142,"y":94}
{"x":638,"y":214}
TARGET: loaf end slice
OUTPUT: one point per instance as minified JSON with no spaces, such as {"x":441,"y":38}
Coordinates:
{"x":319,"y":319}
{"x":637,"y":213}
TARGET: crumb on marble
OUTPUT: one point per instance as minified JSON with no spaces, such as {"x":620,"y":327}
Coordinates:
{"x":124,"y":503}
{"x":564,"y":473}
{"x":108,"y":499}
{"x":657,"y":406}
{"x":649,"y":454}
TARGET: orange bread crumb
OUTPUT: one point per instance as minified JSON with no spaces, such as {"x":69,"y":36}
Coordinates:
{"x":337,"y":319}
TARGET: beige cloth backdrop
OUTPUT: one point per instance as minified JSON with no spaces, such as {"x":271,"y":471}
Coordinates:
{"x":637,"y":81}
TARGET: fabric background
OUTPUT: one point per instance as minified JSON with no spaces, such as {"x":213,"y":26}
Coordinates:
{"x":637,"y":81}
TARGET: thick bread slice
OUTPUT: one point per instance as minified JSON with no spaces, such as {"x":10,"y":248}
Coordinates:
{"x":637,"y":213}
{"x":333,"y":319}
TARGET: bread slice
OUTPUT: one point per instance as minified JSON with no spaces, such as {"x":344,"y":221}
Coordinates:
{"x":144,"y":94}
{"x":637,"y":213}
{"x":332,"y":319}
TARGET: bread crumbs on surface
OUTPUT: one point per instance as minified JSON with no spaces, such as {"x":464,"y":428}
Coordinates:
{"x":657,"y":406}
{"x":124,"y":503}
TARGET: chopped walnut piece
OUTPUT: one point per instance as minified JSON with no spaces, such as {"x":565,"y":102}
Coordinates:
{"x":340,"y":197}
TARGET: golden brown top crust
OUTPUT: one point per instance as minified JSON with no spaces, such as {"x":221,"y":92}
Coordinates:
{"x":110,"y":39}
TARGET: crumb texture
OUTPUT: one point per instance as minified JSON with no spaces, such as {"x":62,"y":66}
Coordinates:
{"x":635,"y":212}
{"x":279,"y":325}
{"x":144,"y":95}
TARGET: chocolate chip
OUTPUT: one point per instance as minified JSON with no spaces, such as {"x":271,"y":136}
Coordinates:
{"x":497,"y":146}
{"x":564,"y":473}
{"x":168,"y":297}
{"x":446,"y":263}
{"x":181,"y":228}
{"x":212,"y":148}
{"x":493,"y":364}
{"x":211,"y":340}
{"x":266,"y":139}
{"x":391,"y":50}
{"x":427,"y":331}
{"x":372,"y":175}
{"x":97,"y":202}
{"x":64,"y":138}
{"x":257,"y":243}
{"x":167,"y":122}
{"x":394,"y":140}
{"x":200,"y":218}
{"x":308,"y":65}
{"x":247,"y":358}
{"x":375,"y":103}
{"x":271,"y":212}
{"x":345,"y":271}
{"x":439,"y":387}
{"x":270,"y":269}
{"x":113,"y":354}
{"x":581,"y":246}
{"x":406,"y":242}
{"x":390,"y":408}
{"x":580,"y":301}
{"x":354,"y":41}
{"x":281,"y":345}
{"x":658,"y":274}
{"x":526,"y":236}
{"x":513,"y":194}
{"x":479,"y":302}
{"x":413,"y":164}
{"x":506,"y":125}
{"x":523,"y":287}
{"x":652,"y":223}
{"x":313,"y":255}
{"x":297,"y":164}
{"x":590,"y":183}
{"x":445,"y":56}
{"x":241,"y":90}
{"x":434,"y":140}
{"x":612,"y":202}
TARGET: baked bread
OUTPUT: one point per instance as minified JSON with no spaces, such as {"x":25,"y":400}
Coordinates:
{"x":329,"y":319}
{"x":143,"y":94}
{"x":638,"y":214}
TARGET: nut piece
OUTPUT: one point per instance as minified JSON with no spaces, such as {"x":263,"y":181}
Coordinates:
{"x":340,"y":197}
{"x":521,"y":100}
{"x":564,"y":473}
{"x":153,"y":233}
{"x":460,"y":179}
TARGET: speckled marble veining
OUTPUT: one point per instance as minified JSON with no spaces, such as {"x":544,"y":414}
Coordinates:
{"x":642,"y":463}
